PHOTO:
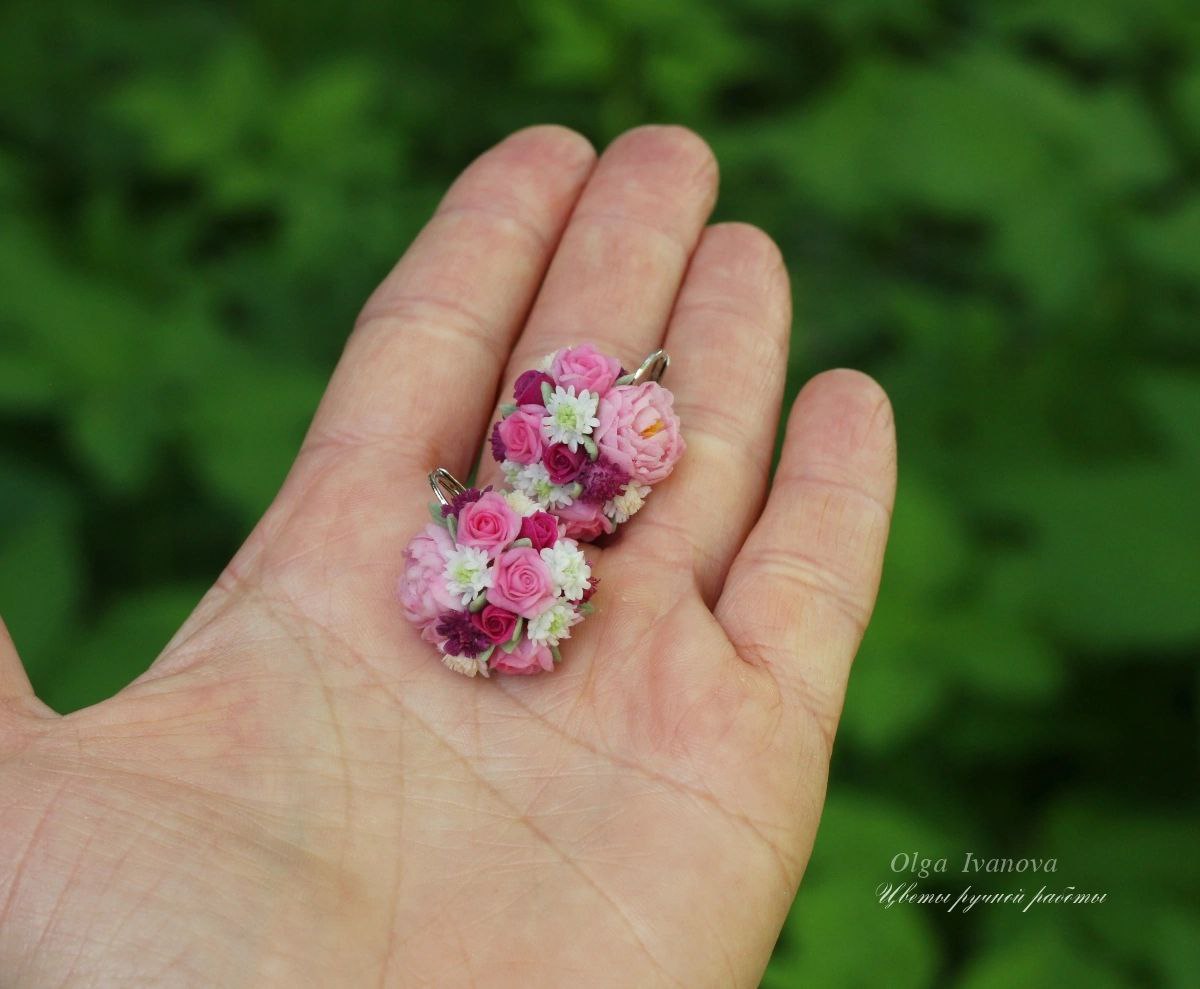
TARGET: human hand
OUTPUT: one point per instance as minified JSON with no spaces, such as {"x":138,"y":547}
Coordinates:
{"x":298,"y":793}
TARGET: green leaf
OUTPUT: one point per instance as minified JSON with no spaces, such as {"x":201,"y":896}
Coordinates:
{"x":435,"y":513}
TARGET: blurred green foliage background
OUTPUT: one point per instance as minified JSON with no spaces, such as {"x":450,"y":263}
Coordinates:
{"x":993,"y":207}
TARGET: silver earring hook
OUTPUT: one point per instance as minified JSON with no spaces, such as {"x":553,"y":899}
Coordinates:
{"x":653,"y":367}
{"x":446,"y":487}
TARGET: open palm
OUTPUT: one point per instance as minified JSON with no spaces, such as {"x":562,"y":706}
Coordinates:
{"x":298,"y":793}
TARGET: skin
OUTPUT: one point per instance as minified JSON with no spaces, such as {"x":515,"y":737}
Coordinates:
{"x":297,"y":793}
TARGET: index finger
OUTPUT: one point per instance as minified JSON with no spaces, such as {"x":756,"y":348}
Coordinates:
{"x":420,"y":371}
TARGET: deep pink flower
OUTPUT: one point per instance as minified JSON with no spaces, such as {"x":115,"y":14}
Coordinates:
{"x":584,"y":520}
{"x":526,"y":659}
{"x":521,"y":582}
{"x":461,"y":499}
{"x":497,"y":443}
{"x":601,"y":480}
{"x":639,"y":430}
{"x":422,"y":587}
{"x":589,"y":590}
{"x":585,"y":368}
{"x":528,"y":389}
{"x":496,"y":623}
{"x":460,"y":635}
{"x":521,"y":434}
{"x":541,"y":529}
{"x":488,"y":523}
{"x":563,"y":465}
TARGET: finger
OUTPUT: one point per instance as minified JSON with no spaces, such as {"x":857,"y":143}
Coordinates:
{"x":14,"y":682}
{"x":624,"y":252}
{"x":799,"y":594}
{"x":420,"y":370}
{"x":728,"y":341}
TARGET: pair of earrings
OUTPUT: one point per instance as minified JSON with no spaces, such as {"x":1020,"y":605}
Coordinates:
{"x":497,"y":580}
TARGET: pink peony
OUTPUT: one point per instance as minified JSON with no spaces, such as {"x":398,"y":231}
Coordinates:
{"x":541,"y":529}
{"x":584,"y":520}
{"x":528,"y":389}
{"x":585,"y":368}
{"x":521,"y":582}
{"x":422,"y":586}
{"x":639,"y":431}
{"x":496,"y":623}
{"x":521,"y":434}
{"x":561,"y":464}
{"x":488,"y":523}
{"x":527,"y":659}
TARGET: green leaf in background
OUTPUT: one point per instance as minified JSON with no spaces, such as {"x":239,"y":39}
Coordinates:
{"x":41,"y":565}
{"x":118,"y":647}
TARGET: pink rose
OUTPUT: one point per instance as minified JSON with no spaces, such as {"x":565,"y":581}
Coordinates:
{"x":488,"y":523}
{"x":422,"y":586}
{"x":528,"y":389}
{"x":521,"y":582}
{"x":541,"y":529}
{"x":521,"y":434}
{"x":527,"y":659}
{"x":639,"y":430}
{"x":584,"y":520}
{"x":496,"y":623}
{"x":561,"y":464}
{"x":585,"y":368}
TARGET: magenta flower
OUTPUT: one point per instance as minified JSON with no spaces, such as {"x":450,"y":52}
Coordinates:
{"x":585,"y":368}
{"x":639,"y":431}
{"x":461,"y":636}
{"x":521,"y":434}
{"x":541,"y":529}
{"x":521,"y":582}
{"x":498,"y":450}
{"x":488,"y":523}
{"x":496,"y":623}
{"x":461,"y":499}
{"x":562,"y":464}
{"x":528,"y":389}
{"x":601,"y":480}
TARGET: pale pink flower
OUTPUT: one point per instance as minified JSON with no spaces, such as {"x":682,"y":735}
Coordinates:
{"x":527,"y":658}
{"x":585,"y":368}
{"x":584,"y":520}
{"x":639,"y":430}
{"x":422,"y":587}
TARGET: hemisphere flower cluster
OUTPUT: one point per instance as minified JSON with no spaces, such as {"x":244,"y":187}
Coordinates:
{"x":495,"y":584}
{"x":583,"y":442}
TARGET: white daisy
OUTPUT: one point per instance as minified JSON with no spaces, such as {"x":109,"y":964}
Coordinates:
{"x":546,"y":362}
{"x":520,"y":502}
{"x":570,"y":417}
{"x":553,"y":624}
{"x":511,"y":470}
{"x":627,"y":503}
{"x":468,"y":666}
{"x":467,"y":572}
{"x":568,"y":568}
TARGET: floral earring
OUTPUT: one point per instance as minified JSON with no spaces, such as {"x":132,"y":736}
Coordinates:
{"x":585,"y":441}
{"x":492,"y":582}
